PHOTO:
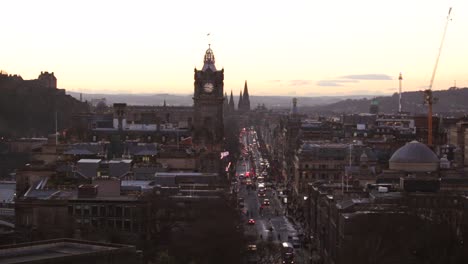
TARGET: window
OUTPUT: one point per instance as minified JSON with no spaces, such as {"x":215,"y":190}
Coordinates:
{"x":126,"y":211}
{"x":110,"y":223}
{"x":127,"y":224}
{"x":118,"y":224}
{"x":102,"y":222}
{"x":94,"y":210}
{"x":86,"y":210}
{"x":102,"y":211}
{"x":110,"y":210}
{"x":118,"y":211}
{"x":77,"y":210}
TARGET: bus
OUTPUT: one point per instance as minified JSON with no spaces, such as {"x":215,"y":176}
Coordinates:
{"x":287,"y":253}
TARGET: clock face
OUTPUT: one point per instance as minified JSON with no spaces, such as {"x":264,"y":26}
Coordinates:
{"x":208,"y":87}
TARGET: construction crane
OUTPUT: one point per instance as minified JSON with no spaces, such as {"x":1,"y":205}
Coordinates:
{"x":428,"y":97}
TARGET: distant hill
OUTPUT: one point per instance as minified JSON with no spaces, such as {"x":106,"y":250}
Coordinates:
{"x":28,"y":107}
{"x":187,"y":100}
{"x":452,"y":101}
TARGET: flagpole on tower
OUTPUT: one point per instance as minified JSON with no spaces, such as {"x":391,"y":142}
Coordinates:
{"x":208,"y":37}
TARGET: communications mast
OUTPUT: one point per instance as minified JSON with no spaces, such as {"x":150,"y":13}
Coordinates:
{"x":400,"y":78}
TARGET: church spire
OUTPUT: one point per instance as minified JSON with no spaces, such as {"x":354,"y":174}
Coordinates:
{"x":240,"y":105}
{"x":246,"y":99}
{"x":231,"y":103}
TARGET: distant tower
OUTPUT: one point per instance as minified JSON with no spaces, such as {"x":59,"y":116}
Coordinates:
{"x":231,"y":103}
{"x":400,"y":78}
{"x":240,"y":104}
{"x":374,"y":107}
{"x":294,"y":108}
{"x":246,"y":99}
{"x":120,"y":121}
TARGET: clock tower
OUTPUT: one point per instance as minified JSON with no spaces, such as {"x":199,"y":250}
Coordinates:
{"x":208,"y":97}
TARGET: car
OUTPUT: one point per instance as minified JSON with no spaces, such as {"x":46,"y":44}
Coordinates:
{"x":296,"y":242}
{"x":252,"y":247}
{"x":266,"y":202}
{"x":251,"y":221}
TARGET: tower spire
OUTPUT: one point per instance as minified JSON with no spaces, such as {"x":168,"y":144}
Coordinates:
{"x":231,"y":103}
{"x":246,"y":99}
{"x":240,"y":105}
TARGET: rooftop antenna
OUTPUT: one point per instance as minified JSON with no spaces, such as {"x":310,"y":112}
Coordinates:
{"x":400,"y":78}
{"x":428,"y":98}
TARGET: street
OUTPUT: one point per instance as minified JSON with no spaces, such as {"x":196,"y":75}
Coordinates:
{"x":271,"y":223}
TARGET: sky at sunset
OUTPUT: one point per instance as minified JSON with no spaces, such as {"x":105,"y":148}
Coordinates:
{"x":301,"y":48}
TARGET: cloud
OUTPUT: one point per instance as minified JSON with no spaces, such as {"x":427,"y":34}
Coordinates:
{"x":372,"y":77}
{"x":335,"y":82}
{"x":300,"y":82}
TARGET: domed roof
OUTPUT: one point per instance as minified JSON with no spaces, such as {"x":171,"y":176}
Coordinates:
{"x":414,"y":156}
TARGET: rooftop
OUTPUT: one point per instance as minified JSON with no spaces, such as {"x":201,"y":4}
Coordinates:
{"x":63,"y":249}
{"x":89,"y":161}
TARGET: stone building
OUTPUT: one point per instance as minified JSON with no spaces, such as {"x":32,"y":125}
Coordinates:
{"x":349,"y":223}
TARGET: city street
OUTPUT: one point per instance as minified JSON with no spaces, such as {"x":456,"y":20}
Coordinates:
{"x":271,"y":223}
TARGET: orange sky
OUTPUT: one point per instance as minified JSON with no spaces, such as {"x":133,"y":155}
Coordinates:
{"x":302,"y":48}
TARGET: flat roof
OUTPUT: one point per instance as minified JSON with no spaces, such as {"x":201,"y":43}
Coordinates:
{"x":121,"y":161}
{"x":56,"y":248}
{"x":89,"y":161}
